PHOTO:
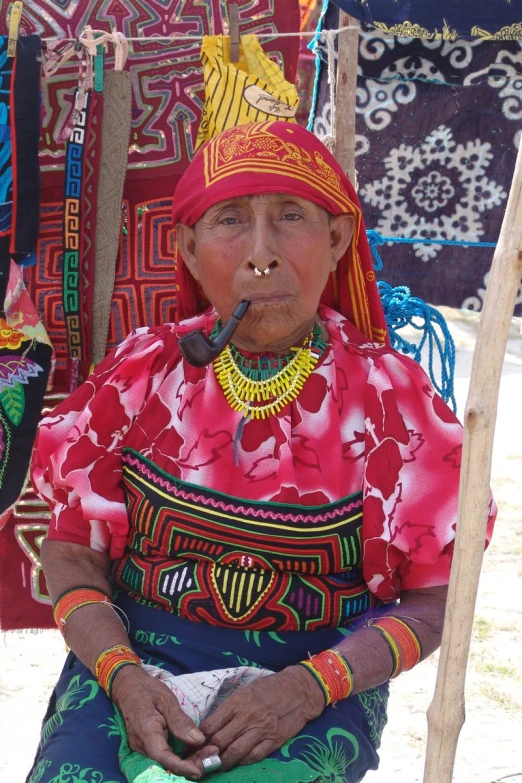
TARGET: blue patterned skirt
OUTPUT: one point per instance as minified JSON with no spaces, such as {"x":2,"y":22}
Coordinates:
{"x":81,"y":737}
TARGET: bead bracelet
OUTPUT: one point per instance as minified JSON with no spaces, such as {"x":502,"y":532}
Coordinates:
{"x":403,"y":643}
{"x":110,"y":662}
{"x":332,"y":673}
{"x":73,"y":599}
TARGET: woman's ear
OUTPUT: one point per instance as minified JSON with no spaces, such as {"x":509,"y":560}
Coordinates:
{"x":341,"y":232}
{"x":186,"y":241}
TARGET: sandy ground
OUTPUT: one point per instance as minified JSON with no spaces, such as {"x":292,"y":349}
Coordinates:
{"x":490,"y":747}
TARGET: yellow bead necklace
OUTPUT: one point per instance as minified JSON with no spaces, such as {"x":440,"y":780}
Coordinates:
{"x":268,"y":394}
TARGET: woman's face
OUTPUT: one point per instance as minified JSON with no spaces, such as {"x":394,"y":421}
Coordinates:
{"x":298,"y":241}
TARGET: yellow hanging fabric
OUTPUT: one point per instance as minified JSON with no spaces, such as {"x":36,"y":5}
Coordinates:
{"x":252,"y":90}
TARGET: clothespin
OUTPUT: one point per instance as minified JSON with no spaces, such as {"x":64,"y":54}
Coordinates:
{"x":233,"y":24}
{"x":14,"y":27}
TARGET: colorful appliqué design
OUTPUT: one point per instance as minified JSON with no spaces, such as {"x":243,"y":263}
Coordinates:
{"x":223,"y":560}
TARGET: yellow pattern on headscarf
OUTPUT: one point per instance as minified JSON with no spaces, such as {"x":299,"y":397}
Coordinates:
{"x":252,"y":90}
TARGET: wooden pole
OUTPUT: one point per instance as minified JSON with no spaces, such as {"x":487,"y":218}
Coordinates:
{"x":346,"y":85}
{"x":446,"y":712}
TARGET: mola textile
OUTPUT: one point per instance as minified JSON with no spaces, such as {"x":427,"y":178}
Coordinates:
{"x":167,"y":97}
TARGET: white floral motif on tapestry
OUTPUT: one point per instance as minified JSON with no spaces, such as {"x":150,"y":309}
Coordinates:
{"x":376,"y":99}
{"x":504,"y":76}
{"x":437,"y":175}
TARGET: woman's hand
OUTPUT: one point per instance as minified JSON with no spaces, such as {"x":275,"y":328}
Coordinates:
{"x":151,"y":711}
{"x":258,"y":718}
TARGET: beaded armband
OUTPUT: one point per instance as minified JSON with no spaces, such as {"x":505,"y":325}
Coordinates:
{"x":110,"y":662}
{"x":403,"y":643}
{"x":333,"y":674}
{"x":74,"y":599}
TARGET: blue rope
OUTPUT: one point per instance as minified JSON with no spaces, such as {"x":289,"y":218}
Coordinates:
{"x":314,"y":47}
{"x":375,"y":239}
{"x":400,"y":310}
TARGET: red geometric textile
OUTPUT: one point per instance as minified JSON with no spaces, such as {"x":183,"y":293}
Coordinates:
{"x":167,"y":99}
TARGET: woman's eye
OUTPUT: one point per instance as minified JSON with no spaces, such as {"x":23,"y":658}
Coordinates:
{"x":229,"y":221}
{"x":292,"y":216}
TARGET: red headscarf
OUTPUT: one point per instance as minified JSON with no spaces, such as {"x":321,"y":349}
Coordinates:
{"x":279,"y":157}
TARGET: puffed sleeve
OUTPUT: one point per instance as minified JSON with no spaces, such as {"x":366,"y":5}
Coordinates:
{"x":76,"y":464}
{"x":411,"y":479}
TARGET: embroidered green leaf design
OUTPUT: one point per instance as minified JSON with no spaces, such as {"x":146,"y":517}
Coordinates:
{"x":13,"y":402}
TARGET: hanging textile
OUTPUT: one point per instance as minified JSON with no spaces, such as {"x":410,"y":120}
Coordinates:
{"x":112,"y":165}
{"x":19,"y":132}
{"x":437,"y":132}
{"x":25,"y":351}
{"x":435,"y":19}
{"x":82,"y":159}
{"x":167,"y":99}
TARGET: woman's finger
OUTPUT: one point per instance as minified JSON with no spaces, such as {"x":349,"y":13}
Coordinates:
{"x":157,"y":748}
{"x":180,"y":725}
{"x":258,"y":752}
{"x":230,"y":733}
{"x":220,"y":718}
{"x":241,"y":748}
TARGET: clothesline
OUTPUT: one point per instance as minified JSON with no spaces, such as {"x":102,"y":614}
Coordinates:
{"x":183,"y":37}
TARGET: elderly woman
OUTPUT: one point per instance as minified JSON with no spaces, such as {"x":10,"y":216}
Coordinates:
{"x":289,"y":508}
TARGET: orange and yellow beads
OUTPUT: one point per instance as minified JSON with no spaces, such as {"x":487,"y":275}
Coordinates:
{"x":402,"y":641}
{"x":74,"y":599}
{"x":110,"y":662}
{"x":332,"y":673}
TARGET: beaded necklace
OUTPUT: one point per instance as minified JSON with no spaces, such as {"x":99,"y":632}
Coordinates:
{"x":273,"y":382}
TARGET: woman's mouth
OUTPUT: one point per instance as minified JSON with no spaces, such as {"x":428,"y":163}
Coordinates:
{"x":258,"y":300}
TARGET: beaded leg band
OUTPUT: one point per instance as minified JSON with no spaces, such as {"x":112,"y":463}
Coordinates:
{"x":332,"y":673}
{"x":73,"y":599}
{"x":110,"y":662}
{"x":403,"y":643}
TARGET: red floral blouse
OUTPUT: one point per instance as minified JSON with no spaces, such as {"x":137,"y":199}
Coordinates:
{"x":367,"y":421}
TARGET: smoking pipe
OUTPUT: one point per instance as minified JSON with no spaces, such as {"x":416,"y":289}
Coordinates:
{"x":199,"y":351}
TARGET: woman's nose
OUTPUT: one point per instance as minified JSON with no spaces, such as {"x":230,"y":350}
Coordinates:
{"x":263,"y":255}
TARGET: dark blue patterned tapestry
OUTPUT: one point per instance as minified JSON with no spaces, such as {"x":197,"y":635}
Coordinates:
{"x":438,"y":125}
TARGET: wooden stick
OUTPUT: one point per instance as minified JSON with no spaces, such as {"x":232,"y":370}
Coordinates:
{"x":346,"y":85}
{"x":446,"y":712}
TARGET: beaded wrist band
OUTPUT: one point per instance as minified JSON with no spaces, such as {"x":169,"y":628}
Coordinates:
{"x":332,"y":673}
{"x":73,"y":599}
{"x":403,"y":643}
{"x":110,"y":661}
